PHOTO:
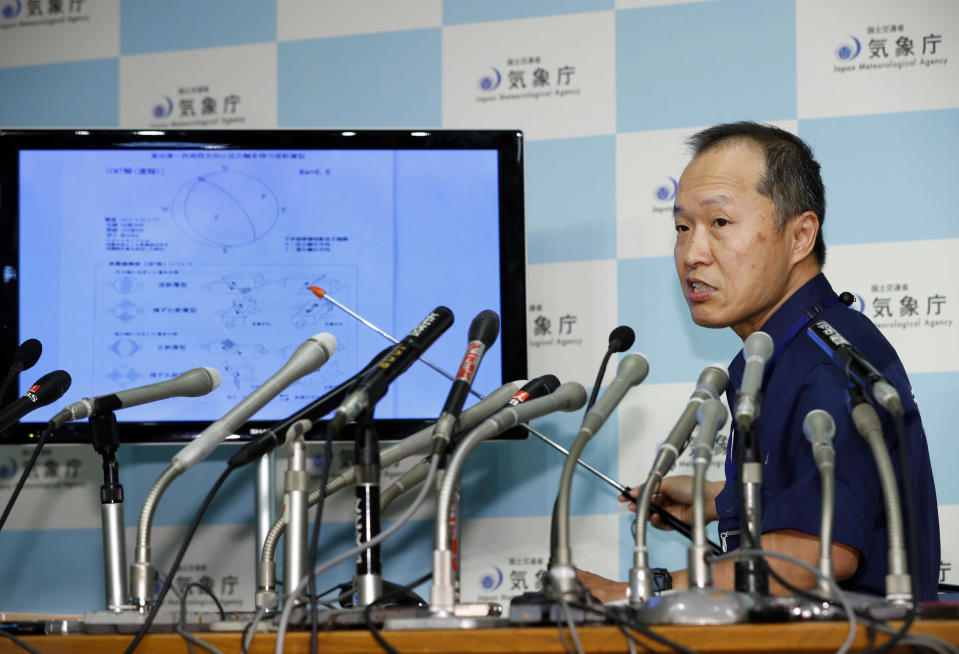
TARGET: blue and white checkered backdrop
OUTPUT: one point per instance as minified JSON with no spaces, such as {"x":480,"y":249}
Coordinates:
{"x":605,"y":91}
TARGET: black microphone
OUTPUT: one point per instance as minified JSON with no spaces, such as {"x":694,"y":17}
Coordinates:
{"x":482,"y":334}
{"x":620,"y":340}
{"x":845,"y":355}
{"x":45,"y":390}
{"x":534,"y":388}
{"x":24,"y":357}
{"x":303,"y":419}
{"x":373,"y":386}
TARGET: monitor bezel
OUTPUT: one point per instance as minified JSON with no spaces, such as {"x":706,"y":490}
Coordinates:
{"x":512,"y":241}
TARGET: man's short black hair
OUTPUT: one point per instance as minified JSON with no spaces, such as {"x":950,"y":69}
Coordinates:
{"x":792,"y":180}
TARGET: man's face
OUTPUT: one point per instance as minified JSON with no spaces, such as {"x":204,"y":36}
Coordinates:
{"x":732,"y":260}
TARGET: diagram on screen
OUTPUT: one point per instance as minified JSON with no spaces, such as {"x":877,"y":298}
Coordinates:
{"x":225,"y":209}
{"x":239,"y":312}
{"x":236,"y":284}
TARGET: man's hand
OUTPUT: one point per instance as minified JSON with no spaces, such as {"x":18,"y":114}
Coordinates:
{"x":603,"y":589}
{"x":675,"y":495}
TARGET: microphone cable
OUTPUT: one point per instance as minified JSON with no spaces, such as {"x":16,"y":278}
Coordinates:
{"x":19,"y":642}
{"x":315,"y":538}
{"x":44,"y":437}
{"x":394,"y":594}
{"x":342,"y":556}
{"x":191,"y":531}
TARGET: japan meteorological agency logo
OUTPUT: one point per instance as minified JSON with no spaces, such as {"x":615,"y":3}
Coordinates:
{"x":163,"y":108}
{"x":848,"y":50}
{"x":666,"y":191}
{"x":11,"y":9}
{"x":491,"y":81}
{"x":492,"y":578}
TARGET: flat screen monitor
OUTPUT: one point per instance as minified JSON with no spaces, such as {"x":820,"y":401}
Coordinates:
{"x":133,"y":256}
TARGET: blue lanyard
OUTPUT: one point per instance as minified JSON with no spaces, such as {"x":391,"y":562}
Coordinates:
{"x":804,"y":319}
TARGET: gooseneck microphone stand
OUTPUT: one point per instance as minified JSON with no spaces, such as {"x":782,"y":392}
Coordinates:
{"x":368,"y":582}
{"x":106,"y":440}
{"x":751,"y":572}
{"x":297,"y":486}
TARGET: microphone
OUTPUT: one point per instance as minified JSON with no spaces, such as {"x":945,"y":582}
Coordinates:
{"x":307,"y":358}
{"x":24,"y":357}
{"x":845,"y":355}
{"x":711,"y":416}
{"x":711,"y":384}
{"x":373,"y":386}
{"x":482,"y":334}
{"x":45,"y":390}
{"x":751,"y":572}
{"x":819,"y":429}
{"x":534,"y":388}
{"x":300,"y":422}
{"x":192,"y":383}
{"x":620,"y":340}
{"x":568,"y":397}
{"x":632,"y":370}
{"x":757,"y":349}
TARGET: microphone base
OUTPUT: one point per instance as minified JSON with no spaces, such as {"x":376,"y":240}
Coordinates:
{"x":539,"y":608}
{"x":445,"y":622}
{"x":696,"y":606}
{"x":792,"y":608}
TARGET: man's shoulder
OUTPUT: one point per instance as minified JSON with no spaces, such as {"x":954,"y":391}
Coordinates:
{"x":861,"y":332}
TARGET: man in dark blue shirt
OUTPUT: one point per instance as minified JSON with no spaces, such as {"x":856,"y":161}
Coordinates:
{"x":749,"y":253}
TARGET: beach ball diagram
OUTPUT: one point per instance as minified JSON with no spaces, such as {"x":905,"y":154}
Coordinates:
{"x":225,"y":209}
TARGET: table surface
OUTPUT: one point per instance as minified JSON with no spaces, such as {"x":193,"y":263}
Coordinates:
{"x":781,"y":637}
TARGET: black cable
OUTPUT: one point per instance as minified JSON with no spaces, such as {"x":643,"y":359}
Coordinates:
{"x":21,"y":643}
{"x":861,"y":614}
{"x":207,"y":590}
{"x":314,"y":541}
{"x":158,"y":602}
{"x":368,"y":610}
{"x":246,"y":630}
{"x":616,"y":614}
{"x":44,"y":437}
{"x":181,"y":626}
{"x":672,"y":521}
{"x":621,"y":616}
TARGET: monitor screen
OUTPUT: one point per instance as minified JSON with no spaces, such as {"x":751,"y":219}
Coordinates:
{"x":135,"y":256}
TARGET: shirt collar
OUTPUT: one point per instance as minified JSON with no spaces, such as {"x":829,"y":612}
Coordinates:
{"x":814,"y":291}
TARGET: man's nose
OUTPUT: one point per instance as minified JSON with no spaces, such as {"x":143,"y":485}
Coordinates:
{"x":697,"y":250}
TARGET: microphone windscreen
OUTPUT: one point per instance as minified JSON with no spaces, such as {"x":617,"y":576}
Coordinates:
{"x":550,"y":382}
{"x":621,"y":338}
{"x":484,"y":328}
{"x":27,"y":354}
{"x":50,"y":387}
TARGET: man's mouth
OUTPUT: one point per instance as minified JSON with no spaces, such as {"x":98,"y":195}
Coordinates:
{"x":699,"y":290}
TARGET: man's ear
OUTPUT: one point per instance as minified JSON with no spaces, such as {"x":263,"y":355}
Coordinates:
{"x":803,"y":230}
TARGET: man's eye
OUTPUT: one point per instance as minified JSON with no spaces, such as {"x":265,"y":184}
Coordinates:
{"x":721,"y":222}
{"x":682,"y":228}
